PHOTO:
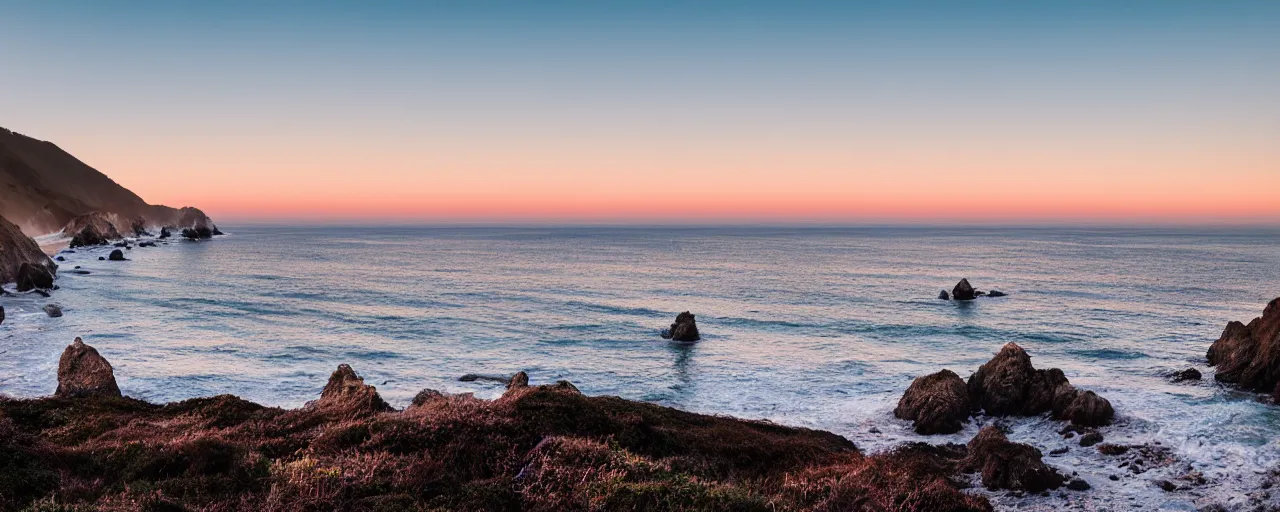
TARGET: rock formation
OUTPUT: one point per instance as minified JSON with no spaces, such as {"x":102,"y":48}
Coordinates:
{"x":35,"y":276}
{"x":116,"y":255}
{"x":1008,"y":385}
{"x":1008,"y":465}
{"x":347,"y":391}
{"x":83,"y":373}
{"x":684,"y":328}
{"x":18,"y":249}
{"x":53,"y":310}
{"x":519,"y":380}
{"x":93,"y":228}
{"x":962,"y":291}
{"x":426,"y":396}
{"x":937,"y":403}
{"x":1249,"y":355}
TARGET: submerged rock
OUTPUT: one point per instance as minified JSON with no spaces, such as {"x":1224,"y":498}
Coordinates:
{"x":1249,"y":355}
{"x":117,"y":255}
{"x":347,"y":391}
{"x":1185,"y":375}
{"x":996,"y":293}
{"x":943,"y":295}
{"x":685,"y":328}
{"x":1007,"y":465}
{"x":83,"y":373}
{"x":937,"y":403}
{"x":1008,"y":385}
{"x":53,"y":310}
{"x":34,"y":276}
{"x":962,"y":291}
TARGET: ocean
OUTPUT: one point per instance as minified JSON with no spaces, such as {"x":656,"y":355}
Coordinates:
{"x":820,"y":327}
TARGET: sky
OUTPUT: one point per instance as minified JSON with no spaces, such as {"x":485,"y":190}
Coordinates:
{"x":1163,"y":111}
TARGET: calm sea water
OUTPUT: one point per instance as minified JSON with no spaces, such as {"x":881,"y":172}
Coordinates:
{"x":817,"y":327}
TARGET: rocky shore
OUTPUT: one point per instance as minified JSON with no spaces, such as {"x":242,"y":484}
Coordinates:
{"x":537,"y":447}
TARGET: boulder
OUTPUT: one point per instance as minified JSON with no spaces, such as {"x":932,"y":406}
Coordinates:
{"x":996,"y":293}
{"x":1249,"y":355}
{"x":1008,"y":385}
{"x":962,"y":291}
{"x":1185,"y":375}
{"x":684,"y":328}
{"x":53,"y":310}
{"x":34,"y":276}
{"x":943,"y":295}
{"x":1091,"y":438}
{"x":116,"y":255}
{"x":348,"y":392}
{"x":83,"y":373}
{"x":93,"y":228}
{"x":16,"y":249}
{"x":59,"y":258}
{"x":1007,"y":465}
{"x":426,"y":396}
{"x":519,"y":380}
{"x":937,"y":403}
{"x":164,"y":233}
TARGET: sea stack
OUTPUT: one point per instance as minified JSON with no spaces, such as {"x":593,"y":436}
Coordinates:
{"x":684,"y":329}
{"x":1249,"y":355}
{"x":962,"y":291}
{"x":1008,"y":385}
{"x":83,"y":373}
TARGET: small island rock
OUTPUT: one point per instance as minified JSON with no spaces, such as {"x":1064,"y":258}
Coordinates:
{"x":684,"y":329}
{"x":83,"y":373}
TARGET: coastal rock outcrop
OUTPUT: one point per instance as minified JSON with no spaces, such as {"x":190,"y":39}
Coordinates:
{"x":1007,"y":465}
{"x":937,"y":403}
{"x":93,"y":228}
{"x":34,"y":276}
{"x":1185,"y":375}
{"x":519,"y":380}
{"x":1008,"y":385}
{"x":1249,"y":355}
{"x":18,"y":249}
{"x":347,"y":391}
{"x":685,"y":329}
{"x":83,"y":373}
{"x":962,"y":291}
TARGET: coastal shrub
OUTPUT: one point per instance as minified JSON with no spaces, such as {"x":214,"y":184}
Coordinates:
{"x":535,"y":448}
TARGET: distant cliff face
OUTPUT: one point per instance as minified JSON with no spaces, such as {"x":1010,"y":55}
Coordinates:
{"x":42,"y":188}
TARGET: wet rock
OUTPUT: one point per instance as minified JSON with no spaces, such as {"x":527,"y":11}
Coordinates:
{"x":347,"y":391}
{"x":996,"y":293}
{"x":1086,"y":408}
{"x":565,"y":386}
{"x":937,"y":403}
{"x":164,"y":233}
{"x":53,"y":310}
{"x":684,"y":328}
{"x":943,"y":295}
{"x":146,"y":244}
{"x":197,"y":233}
{"x":34,"y":276}
{"x":101,"y":258}
{"x":117,"y":255}
{"x":962,"y":291}
{"x":83,"y":373}
{"x":1185,"y":375}
{"x":93,"y":228}
{"x":1113,"y":449}
{"x":1090,"y":439}
{"x":1058,"y":451}
{"x":1078,"y":485}
{"x":1249,"y":355}
{"x":472,"y":377}
{"x":1,"y":315}
{"x":1113,"y":478}
{"x":519,"y":380}
{"x":59,"y":258}
{"x":1008,"y":385}
{"x":1166,"y":485}
{"x":1008,"y":465}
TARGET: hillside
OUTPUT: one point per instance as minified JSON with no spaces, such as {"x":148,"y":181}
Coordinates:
{"x":43,"y":188}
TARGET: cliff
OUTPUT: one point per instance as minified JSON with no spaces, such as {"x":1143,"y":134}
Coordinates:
{"x":17,"y":249}
{"x":44,"y":188}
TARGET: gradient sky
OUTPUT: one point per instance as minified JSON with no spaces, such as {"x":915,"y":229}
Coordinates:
{"x":602,"y":111}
